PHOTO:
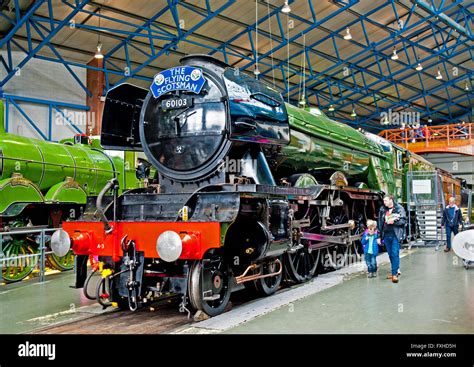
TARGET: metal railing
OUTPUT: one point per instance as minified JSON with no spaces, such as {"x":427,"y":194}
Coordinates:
{"x":41,"y":254}
{"x":426,"y":134}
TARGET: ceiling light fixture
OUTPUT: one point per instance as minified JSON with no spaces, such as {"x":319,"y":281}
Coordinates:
{"x":394,"y":54}
{"x":331,"y":108}
{"x":439,"y":76}
{"x":98,"y":52}
{"x":348,"y":35}
{"x":419,"y":67}
{"x":302,"y":101}
{"x":286,"y":8}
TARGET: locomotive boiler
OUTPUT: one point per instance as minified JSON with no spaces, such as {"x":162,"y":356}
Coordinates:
{"x":250,"y":189}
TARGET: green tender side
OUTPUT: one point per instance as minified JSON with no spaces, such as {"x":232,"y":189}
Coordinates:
{"x":320,"y":145}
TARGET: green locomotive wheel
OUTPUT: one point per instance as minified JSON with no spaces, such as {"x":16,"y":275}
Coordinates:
{"x":14,"y":271}
{"x":63,"y":263}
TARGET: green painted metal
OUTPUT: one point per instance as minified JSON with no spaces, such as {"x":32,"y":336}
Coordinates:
{"x":38,"y":172}
{"x":46,"y":163}
{"x":320,"y":145}
{"x":62,"y":263}
{"x":16,"y":193}
{"x":50,"y":172}
{"x":66,"y":192}
{"x":125,"y":166}
{"x":380,"y":175}
{"x":304,"y":180}
{"x":13,"y":246}
{"x":14,"y":271}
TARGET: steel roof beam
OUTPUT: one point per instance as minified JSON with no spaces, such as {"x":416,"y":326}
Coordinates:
{"x":173,"y":44}
{"x":444,"y":18}
{"x":331,"y":35}
{"x":370,"y":50}
{"x":389,"y":79}
{"x":76,"y":9}
{"x":352,"y":101}
{"x":461,"y":78}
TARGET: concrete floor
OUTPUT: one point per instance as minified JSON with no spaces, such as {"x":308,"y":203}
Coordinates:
{"x":435,"y":295}
{"x":28,"y":305}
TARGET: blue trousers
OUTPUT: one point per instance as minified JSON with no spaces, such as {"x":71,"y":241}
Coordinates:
{"x":393,"y":249}
{"x":371,"y":261}
{"x":449,"y":230}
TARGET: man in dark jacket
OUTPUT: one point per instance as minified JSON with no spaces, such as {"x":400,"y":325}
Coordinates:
{"x":452,"y":219}
{"x":391,"y":224}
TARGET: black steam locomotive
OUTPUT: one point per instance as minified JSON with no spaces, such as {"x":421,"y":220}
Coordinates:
{"x":249,"y":190}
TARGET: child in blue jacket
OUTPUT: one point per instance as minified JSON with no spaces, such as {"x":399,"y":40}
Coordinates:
{"x":371,"y":248}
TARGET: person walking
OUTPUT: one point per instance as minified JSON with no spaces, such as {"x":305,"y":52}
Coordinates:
{"x":391,"y":224}
{"x":371,"y":248}
{"x":451,"y":221}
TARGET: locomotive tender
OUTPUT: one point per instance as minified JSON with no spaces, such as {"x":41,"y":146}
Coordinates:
{"x":250,"y":189}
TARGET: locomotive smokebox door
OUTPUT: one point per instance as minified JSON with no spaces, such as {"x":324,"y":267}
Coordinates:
{"x":121,"y":118}
{"x":258,"y":112}
{"x":183,"y":124}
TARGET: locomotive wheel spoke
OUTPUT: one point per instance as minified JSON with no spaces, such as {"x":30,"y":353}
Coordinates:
{"x":338,"y":256}
{"x":16,"y":270}
{"x":62,"y":263}
{"x":302,"y":264}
